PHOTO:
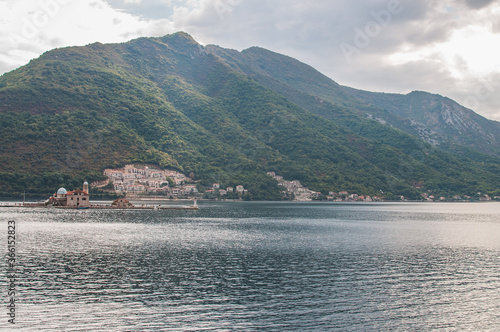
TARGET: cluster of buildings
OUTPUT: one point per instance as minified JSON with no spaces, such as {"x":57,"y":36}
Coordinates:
{"x":481,"y":197}
{"x":344,"y":196}
{"x":296,"y":191}
{"x":132,"y":180}
{"x":229,"y":191}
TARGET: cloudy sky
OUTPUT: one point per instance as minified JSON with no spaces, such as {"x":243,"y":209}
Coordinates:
{"x":449,"y":47}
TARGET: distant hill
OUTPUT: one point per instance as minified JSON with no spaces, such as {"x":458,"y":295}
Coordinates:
{"x":230,"y":117}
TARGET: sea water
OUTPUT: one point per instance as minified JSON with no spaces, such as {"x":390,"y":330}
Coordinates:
{"x":237,"y":266}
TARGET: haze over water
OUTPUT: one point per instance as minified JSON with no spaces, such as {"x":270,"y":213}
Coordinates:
{"x":260,"y":267}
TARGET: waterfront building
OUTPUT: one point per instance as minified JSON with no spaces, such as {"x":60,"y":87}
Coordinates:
{"x":75,"y":198}
{"x":122,"y":203}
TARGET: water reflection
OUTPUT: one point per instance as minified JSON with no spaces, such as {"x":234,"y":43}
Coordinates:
{"x":260,"y":266}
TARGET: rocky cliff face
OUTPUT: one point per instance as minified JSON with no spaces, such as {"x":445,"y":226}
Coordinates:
{"x":436,"y":119}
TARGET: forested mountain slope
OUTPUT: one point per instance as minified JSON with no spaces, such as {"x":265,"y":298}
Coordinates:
{"x":229,"y":117}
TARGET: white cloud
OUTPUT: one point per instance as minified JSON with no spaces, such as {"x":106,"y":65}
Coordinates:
{"x":34,"y":27}
{"x":450,"y":50}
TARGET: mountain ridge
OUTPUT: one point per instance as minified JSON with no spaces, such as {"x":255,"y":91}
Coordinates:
{"x":442,"y":116}
{"x":374,"y":104}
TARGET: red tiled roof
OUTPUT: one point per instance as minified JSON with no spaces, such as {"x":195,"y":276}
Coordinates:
{"x":75,"y":192}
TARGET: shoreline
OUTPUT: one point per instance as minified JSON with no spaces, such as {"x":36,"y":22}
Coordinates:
{"x":102,"y":207}
{"x":106,"y":205}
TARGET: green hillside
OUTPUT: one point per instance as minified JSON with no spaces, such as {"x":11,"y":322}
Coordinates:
{"x":229,"y":117}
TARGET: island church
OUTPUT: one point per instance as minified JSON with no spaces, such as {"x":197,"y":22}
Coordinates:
{"x":75,"y":198}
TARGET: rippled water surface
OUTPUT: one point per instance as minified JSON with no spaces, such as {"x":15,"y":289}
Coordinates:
{"x":259,"y":267}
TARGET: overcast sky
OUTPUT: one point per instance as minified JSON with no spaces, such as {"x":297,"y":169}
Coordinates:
{"x":449,"y":47}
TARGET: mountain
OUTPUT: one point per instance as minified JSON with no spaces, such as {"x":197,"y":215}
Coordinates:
{"x":226,"y":116}
{"x":433,"y":118}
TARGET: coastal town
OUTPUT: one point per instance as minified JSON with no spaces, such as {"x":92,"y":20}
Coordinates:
{"x":150,"y":180}
{"x":132,"y":181}
{"x":294,"y":190}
